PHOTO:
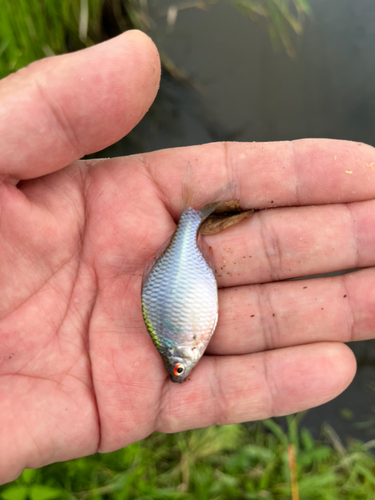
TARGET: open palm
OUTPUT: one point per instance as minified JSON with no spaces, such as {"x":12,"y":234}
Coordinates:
{"x":78,"y":372}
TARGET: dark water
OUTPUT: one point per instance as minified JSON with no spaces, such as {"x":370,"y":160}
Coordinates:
{"x":240,"y":89}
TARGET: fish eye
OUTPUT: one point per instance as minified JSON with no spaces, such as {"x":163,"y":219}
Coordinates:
{"x":179,"y":369}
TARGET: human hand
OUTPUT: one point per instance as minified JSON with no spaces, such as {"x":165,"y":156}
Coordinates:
{"x":78,"y":371}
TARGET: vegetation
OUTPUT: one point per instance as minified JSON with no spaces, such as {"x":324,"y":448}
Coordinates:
{"x":218,"y":463}
{"x":32,"y":29}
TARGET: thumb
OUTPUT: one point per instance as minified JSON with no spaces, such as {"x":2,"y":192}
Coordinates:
{"x":58,"y":109}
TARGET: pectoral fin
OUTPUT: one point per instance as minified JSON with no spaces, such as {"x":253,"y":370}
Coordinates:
{"x":206,"y":252}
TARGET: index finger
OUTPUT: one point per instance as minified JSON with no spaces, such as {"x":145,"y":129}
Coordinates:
{"x":301,"y":172}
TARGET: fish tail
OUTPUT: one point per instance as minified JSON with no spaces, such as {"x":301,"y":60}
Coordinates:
{"x":192,"y":195}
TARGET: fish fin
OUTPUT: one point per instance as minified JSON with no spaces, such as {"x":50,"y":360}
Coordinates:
{"x":225,"y":193}
{"x":206,"y":252}
{"x":193,"y":197}
{"x":151,"y":263}
{"x":217,"y":222}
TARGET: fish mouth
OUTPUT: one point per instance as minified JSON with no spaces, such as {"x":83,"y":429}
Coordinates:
{"x":178,"y":380}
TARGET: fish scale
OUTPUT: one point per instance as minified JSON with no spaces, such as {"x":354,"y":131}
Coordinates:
{"x":179,"y":298}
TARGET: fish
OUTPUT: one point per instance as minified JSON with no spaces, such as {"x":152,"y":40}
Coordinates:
{"x":179,"y":290}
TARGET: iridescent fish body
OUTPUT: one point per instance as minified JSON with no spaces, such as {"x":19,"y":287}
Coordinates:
{"x":179,"y":294}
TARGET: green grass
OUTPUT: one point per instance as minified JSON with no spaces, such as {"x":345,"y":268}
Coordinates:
{"x":218,"y":463}
{"x":33,"y":29}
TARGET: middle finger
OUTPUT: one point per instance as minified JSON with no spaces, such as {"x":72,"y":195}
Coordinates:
{"x":286,"y":243}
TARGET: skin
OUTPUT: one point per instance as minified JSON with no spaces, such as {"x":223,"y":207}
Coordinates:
{"x":78,"y":371}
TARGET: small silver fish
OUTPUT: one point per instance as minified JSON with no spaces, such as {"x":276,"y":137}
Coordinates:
{"x":179,"y":289}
